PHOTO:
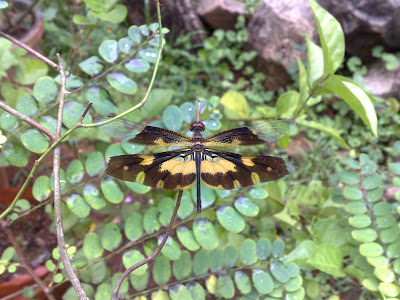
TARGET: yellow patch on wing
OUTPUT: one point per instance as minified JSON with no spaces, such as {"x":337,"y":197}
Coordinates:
{"x":248,"y":162}
{"x":160,"y":184}
{"x":140,"y":177}
{"x":176,"y":165}
{"x":217,"y":166}
{"x":147,"y":160}
{"x":255,"y":177}
{"x":236,"y":183}
{"x":213,"y":187}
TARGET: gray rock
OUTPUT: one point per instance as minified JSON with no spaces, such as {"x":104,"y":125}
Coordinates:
{"x":220,"y":14}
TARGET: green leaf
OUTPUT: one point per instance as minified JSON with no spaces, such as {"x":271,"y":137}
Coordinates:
{"x":101,"y":99}
{"x":125,"y":45}
{"x":178,"y":292}
{"x":182,"y":267}
{"x":103,"y":291}
{"x":235,"y":105}
{"x":92,"y":246}
{"x":111,"y":190}
{"x":165,"y":208}
{"x":258,"y":193}
{"x":186,"y":208}
{"x":27,"y":106}
{"x":45,"y":90}
{"x":389,"y":289}
{"x":299,"y":294}
{"x":382,"y":209}
{"x":246,"y":207}
{"x":197,"y":291}
{"x":148,"y":54}
{"x":94,"y":5}
{"x":287,"y":104}
{"x":137,"y":187}
{"x":77,"y":205}
{"x":262,"y":281}
{"x":327,"y":258}
{"x":41,"y":188}
{"x":122,"y":83}
{"x":356,"y":207}
{"x":278,"y":246}
{"x":108,"y":50}
{"x":134,"y":34}
{"x":188,"y":111}
{"x":140,"y":282}
{"x":364,"y":235}
{"x":34,"y":141}
{"x":92,"y":66}
{"x":115,"y":15}
{"x":371,"y":249}
{"x":207,"y":196}
{"x":8,"y":254}
{"x":94,"y":163}
{"x":3,"y":4}
{"x":230,"y":219}
{"x":200,"y":262}
{"x":216,"y":258}
{"x":302,"y":253}
{"x":294,"y":284}
{"x":132,"y":257}
{"x":150,"y":221}
{"x":137,"y":65}
{"x":355,"y":97}
{"x":133,"y":227}
{"x":279,"y":271}
{"x":93,"y":197}
{"x":75,"y":171}
{"x":331,"y":37}
{"x":72,"y":112}
{"x":8,"y":121}
{"x":172,"y":118}
{"x":83,"y":20}
{"x":349,"y":177}
{"x":111,"y":237}
{"x":205,"y":233}
{"x":225,"y":286}
{"x":352,"y":193}
{"x":171,"y":248}
{"x":158,"y":99}
{"x":248,"y":254}
{"x":315,"y":63}
{"x":263,"y":248}
{"x":328,"y":130}
{"x":360,"y":221}
{"x":15,"y":154}
{"x":161,"y":270}
{"x":242,"y":282}
{"x":186,"y":237}
{"x":394,"y":168}
{"x":29,"y":70}
{"x":372,"y":181}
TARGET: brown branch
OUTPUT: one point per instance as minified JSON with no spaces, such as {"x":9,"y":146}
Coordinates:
{"x":155,"y":253}
{"x":26,"y":265}
{"x":27,"y":120}
{"x":29,"y":49}
{"x":62,"y":249}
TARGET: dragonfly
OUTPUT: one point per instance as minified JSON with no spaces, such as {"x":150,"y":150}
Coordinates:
{"x":197,"y":163}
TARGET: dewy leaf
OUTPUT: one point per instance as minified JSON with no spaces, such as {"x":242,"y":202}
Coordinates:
{"x":93,"y":197}
{"x":137,"y":65}
{"x":329,"y":130}
{"x":328,"y":258}
{"x":41,"y":188}
{"x":225,"y":286}
{"x":171,"y":248}
{"x":186,"y":237}
{"x":205,"y":233}
{"x":27,"y":106}
{"x":148,"y":54}
{"x":150,"y":221}
{"x":242,"y":282}
{"x":134,"y":34}
{"x":92,"y":66}
{"x":315,"y":62}
{"x":235,"y":105}
{"x":132,"y":257}
{"x":92,"y":246}
{"x":125,"y":45}
{"x":45,"y":90}
{"x":188,"y":111}
{"x":331,"y":37}
{"x":111,"y":237}
{"x":111,"y":190}
{"x":355,"y":97}
{"x":263,"y":248}
{"x":34,"y":141}
{"x":15,"y":154}
{"x":247,"y":253}
{"x":94,"y":163}
{"x":134,"y":226}
{"x":77,"y":205}
{"x":172,"y":118}
{"x":137,"y":187}
{"x":108,"y":50}
{"x":200,"y":262}
{"x":75,"y":171}
{"x":182,"y":267}
{"x":101,"y":99}
{"x":246,"y":207}
{"x":72,"y":112}
{"x":230,"y":219}
{"x":122,"y":83}
{"x":262,"y":281}
{"x":287,"y":104}
{"x":8,"y":121}
{"x":161,"y":270}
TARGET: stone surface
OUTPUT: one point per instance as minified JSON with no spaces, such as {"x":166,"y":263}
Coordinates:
{"x":367,"y":23}
{"x":381,"y":82}
{"x":220,"y":14}
{"x":278,"y":31}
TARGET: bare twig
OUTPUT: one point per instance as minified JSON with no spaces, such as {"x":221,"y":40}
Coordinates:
{"x":155,"y":253}
{"x":26,"y":265}
{"x":29,"y":49}
{"x":57,"y":193}
{"x":27,"y":120}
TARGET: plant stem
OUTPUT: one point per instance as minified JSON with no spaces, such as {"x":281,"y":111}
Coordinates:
{"x":155,"y":253}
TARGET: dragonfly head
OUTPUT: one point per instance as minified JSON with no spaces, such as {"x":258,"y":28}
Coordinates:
{"x":197,"y":126}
